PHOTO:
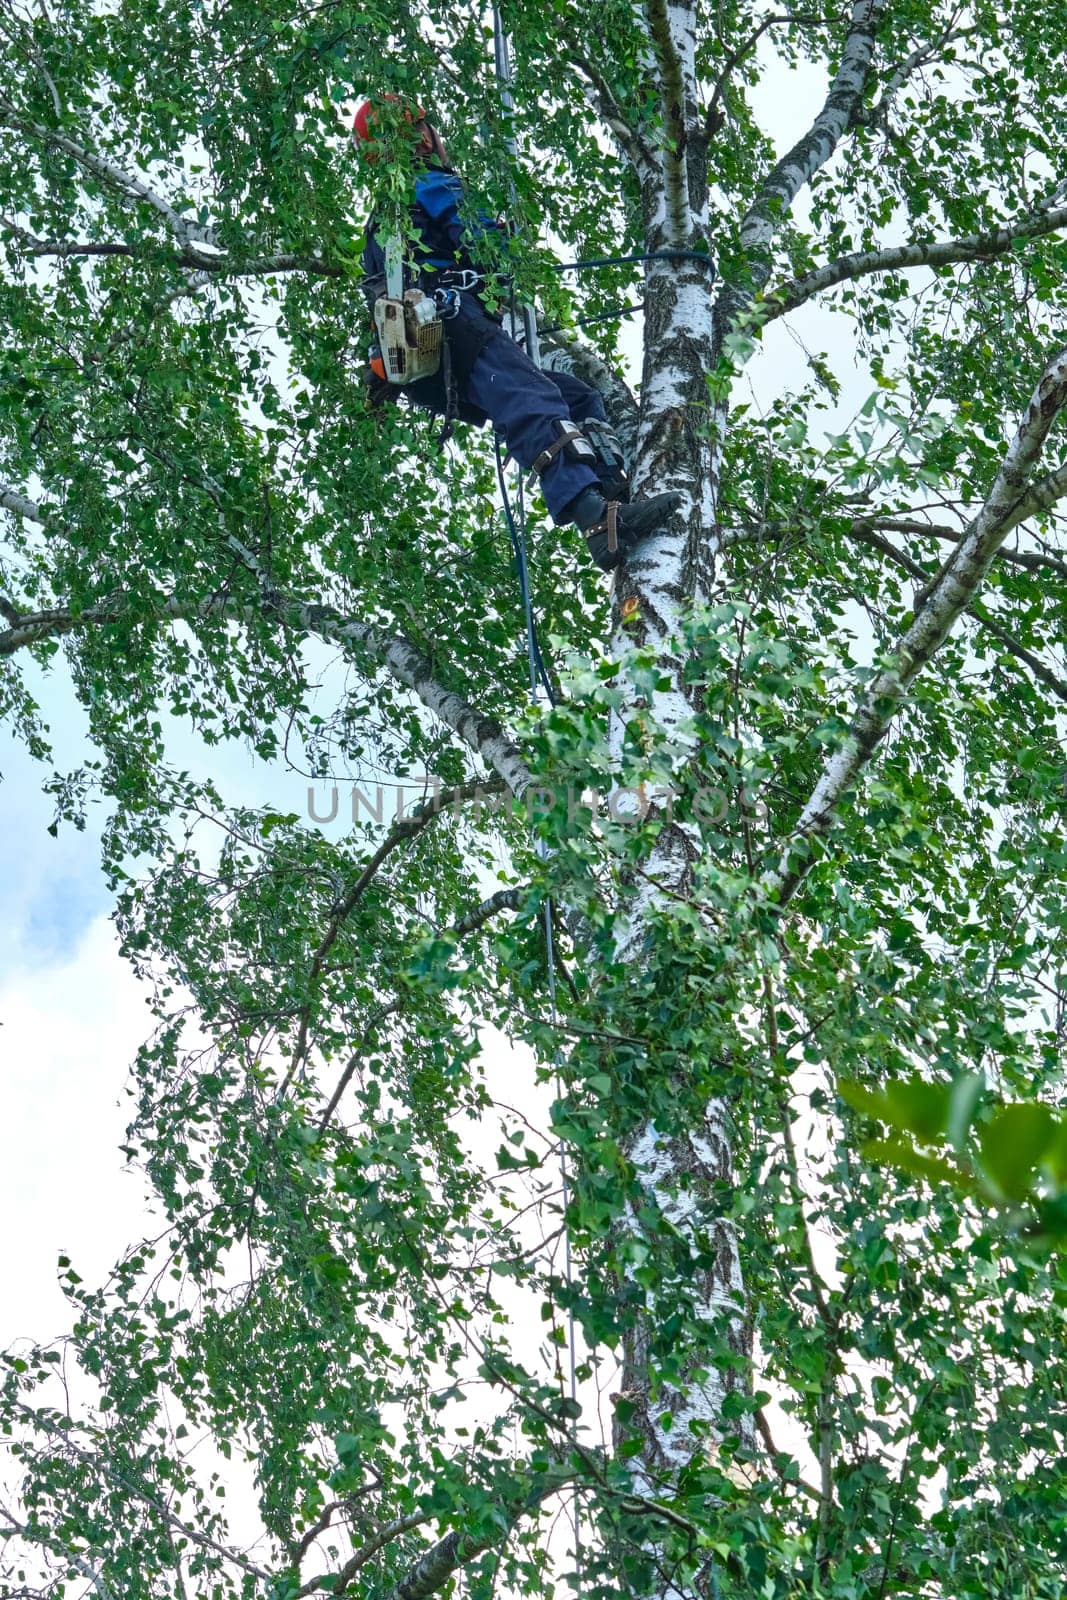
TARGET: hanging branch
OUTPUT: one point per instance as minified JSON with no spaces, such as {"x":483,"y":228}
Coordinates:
{"x":503,"y":900}
{"x":1006,"y":640}
{"x":403,"y":830}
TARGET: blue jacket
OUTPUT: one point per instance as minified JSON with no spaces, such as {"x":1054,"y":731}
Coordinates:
{"x":444,"y":239}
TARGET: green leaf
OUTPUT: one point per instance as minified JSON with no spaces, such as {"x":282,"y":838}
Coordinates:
{"x":1013,"y":1144}
{"x":934,"y":1169}
{"x":964,"y":1099}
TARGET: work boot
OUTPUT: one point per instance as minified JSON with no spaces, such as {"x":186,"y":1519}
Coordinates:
{"x":613,"y":530}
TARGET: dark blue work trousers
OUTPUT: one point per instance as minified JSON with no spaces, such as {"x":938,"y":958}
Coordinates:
{"x":501,"y":385}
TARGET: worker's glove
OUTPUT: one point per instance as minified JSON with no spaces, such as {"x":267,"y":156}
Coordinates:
{"x":379,"y":390}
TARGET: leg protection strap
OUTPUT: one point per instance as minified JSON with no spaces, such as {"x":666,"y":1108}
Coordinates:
{"x":570,"y":441}
{"x":605,"y":442}
{"x":610,"y":465}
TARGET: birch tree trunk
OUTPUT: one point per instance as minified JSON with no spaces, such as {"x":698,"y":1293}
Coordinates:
{"x":681,"y":433}
{"x":685,"y":1174}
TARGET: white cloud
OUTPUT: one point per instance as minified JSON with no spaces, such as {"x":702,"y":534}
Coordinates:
{"x":68,"y":1033}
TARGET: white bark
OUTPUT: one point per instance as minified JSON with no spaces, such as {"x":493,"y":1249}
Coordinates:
{"x":482,"y":734}
{"x":900,"y":258}
{"x":185,"y":229}
{"x":949,"y":596}
{"x":20,"y":506}
{"x":814,"y":150}
{"x":680,"y":1175}
{"x":780,"y":188}
{"x":677,"y":452}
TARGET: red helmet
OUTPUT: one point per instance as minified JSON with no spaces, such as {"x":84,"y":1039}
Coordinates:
{"x":361,"y":125}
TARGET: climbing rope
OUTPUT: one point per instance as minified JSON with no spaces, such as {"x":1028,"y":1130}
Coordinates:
{"x":623,"y":261}
{"x":538,"y":676}
{"x":599,"y":316}
{"x":516,"y":529}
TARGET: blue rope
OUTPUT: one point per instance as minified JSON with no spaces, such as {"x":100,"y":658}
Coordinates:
{"x":622,"y":261}
{"x":600,"y":316}
{"x":538,"y":669}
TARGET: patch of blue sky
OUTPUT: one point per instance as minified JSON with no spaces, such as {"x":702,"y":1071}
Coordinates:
{"x":58,"y":917}
{"x":53,"y":886}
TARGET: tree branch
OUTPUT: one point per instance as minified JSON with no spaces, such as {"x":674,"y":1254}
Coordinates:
{"x":17,"y":503}
{"x":919,"y":57}
{"x":602,"y":100}
{"x":207,"y":268}
{"x":763,"y":1428}
{"x":713,"y":119}
{"x":382,"y":1014}
{"x":1030,"y":560}
{"x":1051,"y":680}
{"x":141,"y":1491}
{"x":12,"y":24}
{"x":75,"y":247}
{"x":433,"y":1570}
{"x":338,"y":1582}
{"x":503,"y":900}
{"x":405,"y":662}
{"x":952,"y":593}
{"x":37,"y":1536}
{"x":781,"y":186}
{"x":31,"y":627}
{"x":1040,"y":497}
{"x":403,"y":829}
{"x":318,"y":1527}
{"x":898,"y":258}
{"x":189,"y":233}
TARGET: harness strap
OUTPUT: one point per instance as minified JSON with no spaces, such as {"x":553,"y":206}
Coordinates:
{"x":466,"y":279}
{"x":610,"y":525}
{"x":549,"y":454}
{"x":451,"y":397}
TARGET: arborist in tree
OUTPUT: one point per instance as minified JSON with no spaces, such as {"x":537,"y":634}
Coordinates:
{"x":440,"y":345}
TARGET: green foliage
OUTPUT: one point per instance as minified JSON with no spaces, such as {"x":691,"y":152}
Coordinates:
{"x":349,"y":1338}
{"x":1014,"y":1154}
